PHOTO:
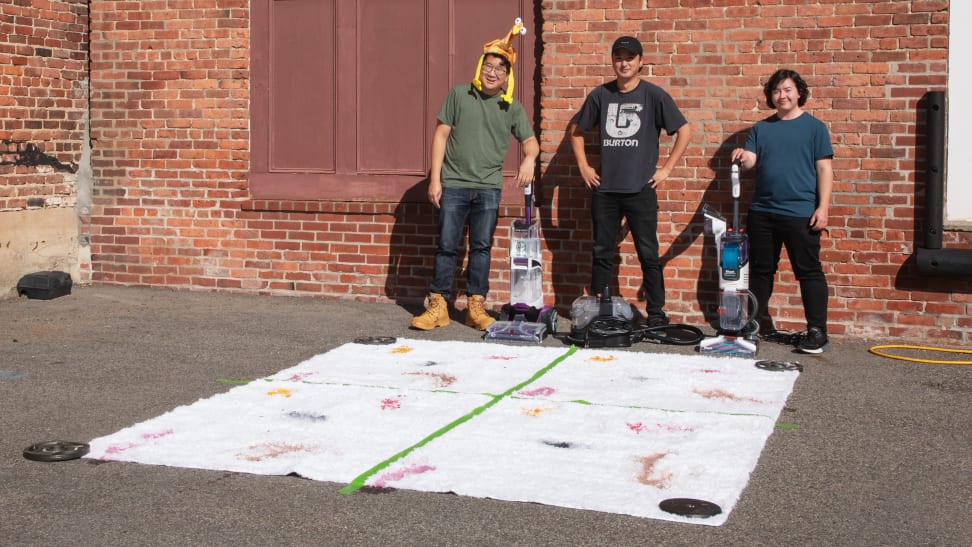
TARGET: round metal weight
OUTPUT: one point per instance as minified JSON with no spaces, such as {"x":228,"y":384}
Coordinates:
{"x":689,"y":507}
{"x":55,"y":451}
{"x":779,"y":365}
{"x":375,"y":340}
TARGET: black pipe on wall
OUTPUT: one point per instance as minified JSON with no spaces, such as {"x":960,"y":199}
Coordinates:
{"x":931,"y":257}
{"x":935,"y":170}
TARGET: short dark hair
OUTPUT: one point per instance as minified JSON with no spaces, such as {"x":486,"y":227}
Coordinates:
{"x":779,"y":76}
{"x":506,"y":62}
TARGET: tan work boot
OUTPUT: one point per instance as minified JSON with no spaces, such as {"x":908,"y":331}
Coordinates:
{"x":435,"y":315}
{"x":476,"y":315}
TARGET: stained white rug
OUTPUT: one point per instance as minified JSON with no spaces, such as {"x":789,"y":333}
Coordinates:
{"x":605,"y":430}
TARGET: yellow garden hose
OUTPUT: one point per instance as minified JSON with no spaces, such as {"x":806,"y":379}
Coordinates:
{"x":875,"y":351}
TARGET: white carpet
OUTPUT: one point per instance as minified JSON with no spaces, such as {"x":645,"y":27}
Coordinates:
{"x":605,"y":430}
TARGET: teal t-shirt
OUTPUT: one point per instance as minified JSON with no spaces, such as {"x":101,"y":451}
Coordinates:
{"x":480,"y":136}
{"x":786,"y":169}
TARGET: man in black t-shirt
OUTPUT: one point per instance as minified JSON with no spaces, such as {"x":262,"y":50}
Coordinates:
{"x":630,"y":114}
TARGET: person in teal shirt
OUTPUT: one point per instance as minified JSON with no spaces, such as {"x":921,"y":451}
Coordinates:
{"x":793,"y":157}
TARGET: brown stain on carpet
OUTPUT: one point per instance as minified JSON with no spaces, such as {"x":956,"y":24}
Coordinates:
{"x":723,"y":394}
{"x":649,"y":476}
{"x":441,"y":379}
{"x":267,"y":451}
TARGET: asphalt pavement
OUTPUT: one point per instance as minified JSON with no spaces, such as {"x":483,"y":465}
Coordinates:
{"x":869,"y":450}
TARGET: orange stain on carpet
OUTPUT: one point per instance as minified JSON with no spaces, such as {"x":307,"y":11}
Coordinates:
{"x":536,"y":411}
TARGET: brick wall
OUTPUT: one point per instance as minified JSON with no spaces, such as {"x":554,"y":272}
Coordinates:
{"x":43,"y":100}
{"x":170,"y":142}
{"x":170,"y":129}
{"x":868,"y":65}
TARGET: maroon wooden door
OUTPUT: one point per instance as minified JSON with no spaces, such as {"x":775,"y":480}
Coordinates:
{"x":344,"y":93}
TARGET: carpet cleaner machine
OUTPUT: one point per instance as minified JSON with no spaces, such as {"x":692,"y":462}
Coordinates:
{"x":525,"y":319}
{"x":606,"y":321}
{"x":736,"y":336}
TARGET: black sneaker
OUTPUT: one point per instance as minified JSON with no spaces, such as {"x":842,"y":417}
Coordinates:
{"x":813,"y":342}
{"x":657,"y":321}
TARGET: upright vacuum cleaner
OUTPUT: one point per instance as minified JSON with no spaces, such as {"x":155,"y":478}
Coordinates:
{"x":735,"y":337}
{"x":525,"y":319}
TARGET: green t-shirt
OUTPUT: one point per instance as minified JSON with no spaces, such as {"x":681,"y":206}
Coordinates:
{"x":480,"y":136}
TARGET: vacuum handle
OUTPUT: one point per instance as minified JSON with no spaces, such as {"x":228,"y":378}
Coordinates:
{"x":528,"y":203}
{"x":735,"y":181}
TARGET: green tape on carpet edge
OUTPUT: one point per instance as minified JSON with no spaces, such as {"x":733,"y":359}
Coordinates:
{"x":359,"y":481}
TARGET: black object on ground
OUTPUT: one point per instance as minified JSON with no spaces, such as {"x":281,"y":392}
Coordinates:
{"x":689,"y":507}
{"x":779,"y":365}
{"x":375,"y":340}
{"x":44,"y":285}
{"x":55,"y":451}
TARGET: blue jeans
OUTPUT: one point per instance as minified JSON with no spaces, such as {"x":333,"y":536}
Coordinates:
{"x":456,"y":206}
{"x":641,"y":211}
{"x":768,"y":234}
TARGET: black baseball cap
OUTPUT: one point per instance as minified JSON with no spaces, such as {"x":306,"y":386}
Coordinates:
{"x":629,"y":43}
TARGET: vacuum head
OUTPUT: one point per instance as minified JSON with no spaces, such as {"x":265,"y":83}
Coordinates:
{"x":728,"y":346}
{"x":516,"y":332}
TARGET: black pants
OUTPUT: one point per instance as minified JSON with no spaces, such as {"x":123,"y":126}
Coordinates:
{"x":641,"y":212}
{"x":768,"y":234}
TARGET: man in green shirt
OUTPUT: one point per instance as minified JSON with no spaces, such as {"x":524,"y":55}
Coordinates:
{"x":472,"y":137}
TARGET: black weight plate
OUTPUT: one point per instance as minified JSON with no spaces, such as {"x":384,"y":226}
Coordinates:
{"x":55,"y":451}
{"x":779,"y":365}
{"x":689,"y":507}
{"x":375,"y":340}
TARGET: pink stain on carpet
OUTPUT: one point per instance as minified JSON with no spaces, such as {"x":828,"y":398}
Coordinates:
{"x":658,"y":427}
{"x":159,"y":435}
{"x":544,"y":391}
{"x":300,"y":376}
{"x":383,"y":480}
{"x":119,"y":448}
{"x":391,"y":404}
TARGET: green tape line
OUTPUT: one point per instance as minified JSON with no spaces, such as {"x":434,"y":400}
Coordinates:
{"x":360,"y":480}
{"x":228,"y":381}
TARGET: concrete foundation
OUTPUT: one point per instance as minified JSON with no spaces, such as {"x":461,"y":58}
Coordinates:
{"x":35,"y":240}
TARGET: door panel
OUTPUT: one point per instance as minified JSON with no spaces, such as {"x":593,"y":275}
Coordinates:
{"x":392,"y":86}
{"x":301,"y":91}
